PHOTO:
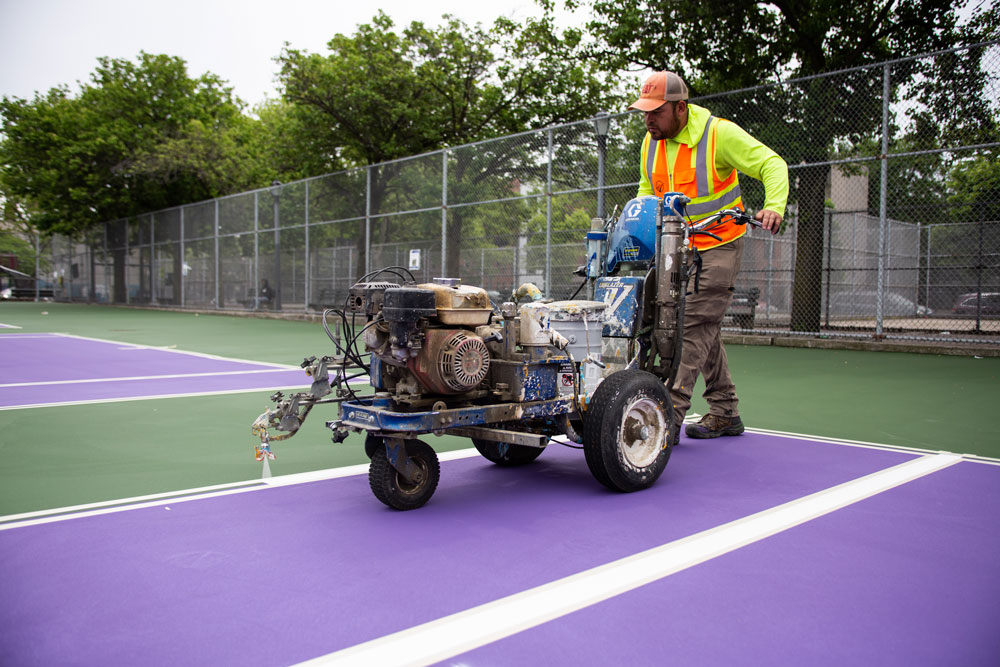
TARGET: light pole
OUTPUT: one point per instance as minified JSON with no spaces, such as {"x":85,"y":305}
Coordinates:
{"x":601,"y":123}
{"x":276,"y":196}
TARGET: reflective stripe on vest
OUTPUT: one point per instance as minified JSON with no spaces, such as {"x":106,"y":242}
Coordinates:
{"x":708,"y":193}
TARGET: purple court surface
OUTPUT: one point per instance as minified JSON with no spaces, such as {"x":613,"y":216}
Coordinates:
{"x":905,"y":573}
{"x":47,"y":369}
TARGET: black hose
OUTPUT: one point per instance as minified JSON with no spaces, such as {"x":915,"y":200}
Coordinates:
{"x":578,"y":289}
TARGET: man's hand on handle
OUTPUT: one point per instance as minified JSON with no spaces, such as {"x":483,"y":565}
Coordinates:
{"x":769,"y":220}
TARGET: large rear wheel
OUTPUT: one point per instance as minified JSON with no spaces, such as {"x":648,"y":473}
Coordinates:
{"x":625,"y":431}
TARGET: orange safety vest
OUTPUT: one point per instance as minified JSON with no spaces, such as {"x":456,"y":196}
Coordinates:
{"x":701,"y":183}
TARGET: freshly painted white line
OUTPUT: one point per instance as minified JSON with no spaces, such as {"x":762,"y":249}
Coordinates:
{"x":455,"y":634}
{"x":126,"y":399}
{"x":139,"y":346}
{"x":846,"y":442}
{"x":145,"y":377}
{"x":171,"y":498}
{"x":8,"y":326}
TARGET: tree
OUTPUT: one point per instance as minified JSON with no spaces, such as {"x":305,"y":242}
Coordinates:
{"x":140,"y":136}
{"x":381,"y":95}
{"x":721,"y":46}
{"x":112,"y":151}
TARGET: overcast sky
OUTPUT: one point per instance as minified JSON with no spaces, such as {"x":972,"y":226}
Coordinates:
{"x":44,"y":43}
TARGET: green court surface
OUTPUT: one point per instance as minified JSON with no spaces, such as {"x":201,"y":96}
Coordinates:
{"x":70,"y":455}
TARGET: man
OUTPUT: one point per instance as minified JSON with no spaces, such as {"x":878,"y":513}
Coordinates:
{"x":688,"y":150}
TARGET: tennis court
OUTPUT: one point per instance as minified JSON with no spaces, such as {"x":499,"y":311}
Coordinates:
{"x":774,"y":547}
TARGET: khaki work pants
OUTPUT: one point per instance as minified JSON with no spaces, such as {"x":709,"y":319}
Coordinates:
{"x":703,"y":351}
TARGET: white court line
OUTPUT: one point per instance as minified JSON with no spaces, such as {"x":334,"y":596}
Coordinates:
{"x":204,"y":355}
{"x":215,"y":491}
{"x":151,"y":397}
{"x":452,"y":635}
{"x":865,"y":444}
{"x":146,"y":377}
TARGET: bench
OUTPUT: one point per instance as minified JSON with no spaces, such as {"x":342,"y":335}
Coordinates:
{"x":743,"y":306}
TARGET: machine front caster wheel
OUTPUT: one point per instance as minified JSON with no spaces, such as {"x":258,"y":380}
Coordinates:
{"x":504,"y":454}
{"x":396,"y":491}
{"x":625,"y":430}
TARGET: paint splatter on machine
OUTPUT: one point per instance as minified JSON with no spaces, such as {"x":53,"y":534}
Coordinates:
{"x":440,"y":358}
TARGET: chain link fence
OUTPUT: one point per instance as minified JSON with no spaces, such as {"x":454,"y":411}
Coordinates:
{"x":892,"y":227}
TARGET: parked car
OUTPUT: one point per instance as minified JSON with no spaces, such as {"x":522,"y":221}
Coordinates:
{"x":864,"y":303}
{"x":985,"y":303}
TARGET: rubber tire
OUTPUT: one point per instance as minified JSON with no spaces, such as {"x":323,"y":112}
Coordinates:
{"x":602,"y":425}
{"x":392,"y":489}
{"x":513,"y":455}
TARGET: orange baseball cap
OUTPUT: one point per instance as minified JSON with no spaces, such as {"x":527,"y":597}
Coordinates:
{"x":659,"y":88}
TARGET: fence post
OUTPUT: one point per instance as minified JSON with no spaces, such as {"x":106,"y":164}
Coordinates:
{"x":368,"y":220}
{"x":883,"y":204}
{"x":126,"y":261}
{"x":218,"y":272}
{"x":276,"y":197}
{"x":256,"y":249}
{"x":601,"y":124}
{"x":308,"y":263}
{"x":770,"y":277}
{"x":91,"y":296}
{"x":38,"y":267}
{"x":829,"y":262}
{"x":444,"y":216}
{"x":979,"y":272}
{"x":548,"y":220}
{"x":152,"y":260}
{"x":927,"y":288}
{"x":181,"y":248}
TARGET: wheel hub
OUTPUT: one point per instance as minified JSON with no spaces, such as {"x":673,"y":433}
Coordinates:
{"x":643,"y":432}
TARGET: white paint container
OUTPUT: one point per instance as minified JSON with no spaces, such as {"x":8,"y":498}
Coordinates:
{"x":577,"y":322}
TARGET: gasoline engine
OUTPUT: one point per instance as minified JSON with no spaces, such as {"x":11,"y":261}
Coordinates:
{"x":442,"y":342}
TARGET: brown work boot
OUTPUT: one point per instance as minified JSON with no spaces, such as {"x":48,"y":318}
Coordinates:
{"x":712,"y":426}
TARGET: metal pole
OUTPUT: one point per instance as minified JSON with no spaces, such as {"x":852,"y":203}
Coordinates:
{"x":548,"y":221}
{"x":368,"y":221}
{"x":218,"y":291}
{"x":256,"y":250}
{"x":152,"y":260}
{"x":276,"y":197}
{"x":308,"y":267}
{"x":602,"y":142}
{"x":444,"y":216}
{"x":128,"y":258}
{"x":979,"y":275}
{"x":829,"y":262}
{"x":927,"y":281}
{"x":883,"y":204}
{"x":91,"y":296}
{"x":183,"y":263}
{"x":38,"y":268}
{"x":770,"y":275}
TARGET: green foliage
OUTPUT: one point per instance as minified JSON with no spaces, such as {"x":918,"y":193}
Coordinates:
{"x":975,"y":189}
{"x":139,"y":136}
{"x":381,"y":94}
